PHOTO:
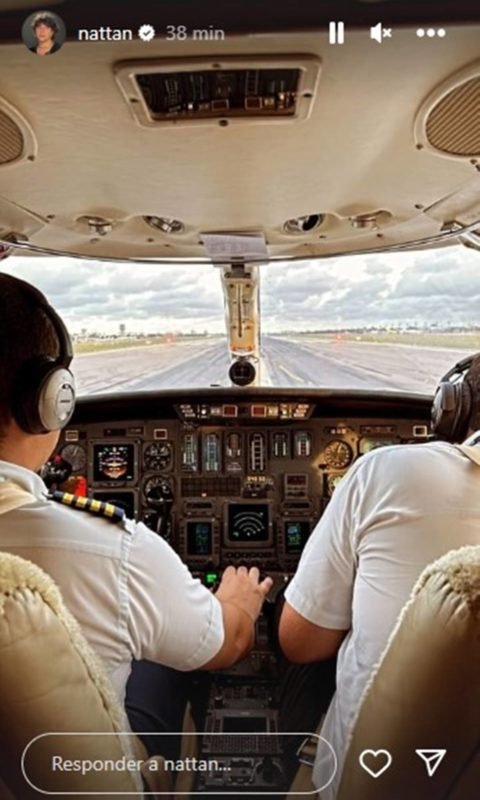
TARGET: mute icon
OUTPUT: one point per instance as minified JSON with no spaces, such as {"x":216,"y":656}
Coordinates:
{"x":378,"y":33}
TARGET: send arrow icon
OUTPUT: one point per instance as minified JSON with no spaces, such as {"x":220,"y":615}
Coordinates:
{"x":432,"y":758}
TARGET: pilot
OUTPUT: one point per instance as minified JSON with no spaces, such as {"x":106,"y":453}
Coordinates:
{"x":135,"y":600}
{"x":45,"y":29}
{"x":398,"y":509}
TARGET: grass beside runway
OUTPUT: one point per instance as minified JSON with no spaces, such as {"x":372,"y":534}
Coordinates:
{"x":102,"y":345}
{"x":464,"y":341}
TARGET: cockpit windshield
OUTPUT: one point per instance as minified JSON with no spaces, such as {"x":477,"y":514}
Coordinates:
{"x":387,"y":321}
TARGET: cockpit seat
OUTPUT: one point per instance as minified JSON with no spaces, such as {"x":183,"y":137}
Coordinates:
{"x":51,"y":681}
{"x":424,"y":694}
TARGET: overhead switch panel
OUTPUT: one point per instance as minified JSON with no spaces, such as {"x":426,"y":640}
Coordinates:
{"x":217,"y":93}
{"x":233,"y":90}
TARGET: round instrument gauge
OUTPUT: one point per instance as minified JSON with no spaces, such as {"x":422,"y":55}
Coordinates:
{"x":332,"y":483}
{"x":157,"y":456}
{"x":337,"y":454}
{"x":75,"y":455}
{"x":157,"y":491}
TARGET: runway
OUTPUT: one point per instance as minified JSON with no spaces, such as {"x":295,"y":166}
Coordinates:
{"x":172,"y":365}
{"x":299,"y":362}
{"x":343,"y":364}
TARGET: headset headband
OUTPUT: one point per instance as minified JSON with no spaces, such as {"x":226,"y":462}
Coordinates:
{"x":65,"y":356}
{"x":459,"y":369}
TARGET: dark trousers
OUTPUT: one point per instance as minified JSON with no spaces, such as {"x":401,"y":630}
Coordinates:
{"x":156,"y":700}
{"x":305,"y":692}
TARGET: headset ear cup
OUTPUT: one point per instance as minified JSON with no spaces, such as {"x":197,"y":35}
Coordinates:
{"x":56,"y":399}
{"x":464,"y":409}
{"x":44,"y":399}
{"x":451,"y":410}
{"x":445,"y":410}
{"x":43,"y":396}
{"x":26,"y":397}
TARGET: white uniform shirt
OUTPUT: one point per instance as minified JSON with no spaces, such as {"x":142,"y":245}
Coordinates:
{"x":130,"y":592}
{"x":398,"y":509}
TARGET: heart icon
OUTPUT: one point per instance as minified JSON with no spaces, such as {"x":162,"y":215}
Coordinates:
{"x":380,"y":760}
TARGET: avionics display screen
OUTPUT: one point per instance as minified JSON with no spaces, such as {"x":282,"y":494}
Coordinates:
{"x":248,"y":523}
{"x":125,"y":500}
{"x":296,"y":534}
{"x":244,"y":724}
{"x":199,"y":538}
{"x":113,"y":462}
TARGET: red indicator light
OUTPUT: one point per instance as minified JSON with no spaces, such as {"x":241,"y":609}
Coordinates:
{"x":81,"y":487}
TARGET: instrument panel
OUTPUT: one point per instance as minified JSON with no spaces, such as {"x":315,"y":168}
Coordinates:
{"x":223,"y":483}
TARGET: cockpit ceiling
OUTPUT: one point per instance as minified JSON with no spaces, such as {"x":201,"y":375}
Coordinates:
{"x":385,"y":150}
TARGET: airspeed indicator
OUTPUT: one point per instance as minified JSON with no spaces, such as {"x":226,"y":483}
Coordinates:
{"x":75,"y":455}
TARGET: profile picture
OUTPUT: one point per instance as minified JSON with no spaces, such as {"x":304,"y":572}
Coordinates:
{"x":43,"y":33}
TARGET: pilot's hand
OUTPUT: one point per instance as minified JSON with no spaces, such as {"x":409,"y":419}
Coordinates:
{"x":242,"y":588}
{"x":241,"y":594}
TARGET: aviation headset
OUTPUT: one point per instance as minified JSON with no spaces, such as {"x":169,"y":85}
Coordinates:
{"x":453,"y":402}
{"x":44,"y":396}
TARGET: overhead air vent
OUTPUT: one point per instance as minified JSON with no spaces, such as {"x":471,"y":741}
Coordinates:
{"x":449,"y":120}
{"x":223,"y":92}
{"x":303,"y":224}
{"x":16,"y":137}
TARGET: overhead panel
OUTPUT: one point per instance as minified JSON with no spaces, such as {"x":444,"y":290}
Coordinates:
{"x":223,"y":92}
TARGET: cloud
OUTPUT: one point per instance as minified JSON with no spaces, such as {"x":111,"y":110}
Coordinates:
{"x":100,"y":296}
{"x":456,"y":282}
{"x":375,"y":267}
{"x":435,"y":286}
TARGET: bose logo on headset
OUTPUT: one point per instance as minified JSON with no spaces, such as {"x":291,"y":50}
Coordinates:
{"x":44,"y":398}
{"x":453,"y":402}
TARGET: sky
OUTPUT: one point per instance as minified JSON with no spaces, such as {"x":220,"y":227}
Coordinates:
{"x":427,"y":287}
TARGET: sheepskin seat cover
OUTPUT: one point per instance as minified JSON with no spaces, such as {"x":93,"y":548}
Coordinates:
{"x":425,"y":693}
{"x":51,"y":681}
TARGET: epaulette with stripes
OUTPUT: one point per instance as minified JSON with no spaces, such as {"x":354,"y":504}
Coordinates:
{"x":101,"y":509}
